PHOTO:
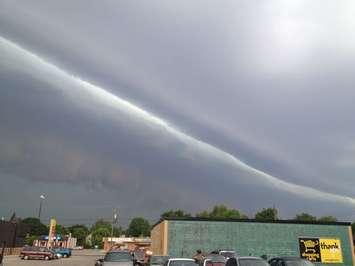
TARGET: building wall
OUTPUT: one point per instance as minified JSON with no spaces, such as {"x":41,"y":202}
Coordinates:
{"x":12,"y":233}
{"x":255,"y":238}
{"x":159,"y":236}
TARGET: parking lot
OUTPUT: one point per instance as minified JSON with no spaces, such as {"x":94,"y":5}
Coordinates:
{"x":79,"y":258}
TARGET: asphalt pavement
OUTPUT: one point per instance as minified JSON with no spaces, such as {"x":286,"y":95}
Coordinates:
{"x":79,"y":258}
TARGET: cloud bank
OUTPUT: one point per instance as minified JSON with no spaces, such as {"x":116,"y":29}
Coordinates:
{"x":76,"y":88}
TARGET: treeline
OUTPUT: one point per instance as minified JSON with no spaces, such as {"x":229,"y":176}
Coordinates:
{"x":89,"y":236}
{"x":224,"y":212}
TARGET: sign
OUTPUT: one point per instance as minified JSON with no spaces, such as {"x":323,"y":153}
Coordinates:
{"x":51,"y":235}
{"x":330,"y":250}
{"x":309,"y":249}
{"x":324,"y":250}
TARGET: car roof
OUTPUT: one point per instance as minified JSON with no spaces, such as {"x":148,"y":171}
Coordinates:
{"x":181,"y":259}
{"x":119,"y":251}
{"x":288,"y":258}
{"x":216,"y":258}
{"x":249,"y":258}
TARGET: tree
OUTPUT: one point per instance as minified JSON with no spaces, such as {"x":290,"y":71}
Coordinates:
{"x":30,"y":239}
{"x":269,"y":214}
{"x":36,"y":228}
{"x":80,"y":232}
{"x":138,"y":227}
{"x":305,"y":217}
{"x":221,"y":212}
{"x":61,"y":230}
{"x":203,"y":214}
{"x":101,"y":223}
{"x":175,"y":214}
{"x":353,"y":228}
{"x":327,"y":219}
{"x":98,"y":234}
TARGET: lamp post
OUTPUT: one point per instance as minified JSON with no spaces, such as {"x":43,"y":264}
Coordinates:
{"x":42,"y":197}
{"x":114,"y":221}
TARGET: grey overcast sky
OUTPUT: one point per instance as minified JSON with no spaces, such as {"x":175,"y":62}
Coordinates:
{"x":152,"y":105}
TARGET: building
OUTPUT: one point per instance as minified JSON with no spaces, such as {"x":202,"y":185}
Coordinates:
{"x":13,"y":233}
{"x":130,"y":243}
{"x":324,"y":243}
{"x":59,"y":241}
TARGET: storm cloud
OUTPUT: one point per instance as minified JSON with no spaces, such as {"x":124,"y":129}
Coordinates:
{"x":182,"y":105}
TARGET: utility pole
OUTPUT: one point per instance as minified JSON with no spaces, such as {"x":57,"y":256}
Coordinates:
{"x":2,"y":252}
{"x":42,"y":197}
{"x":114,"y":221}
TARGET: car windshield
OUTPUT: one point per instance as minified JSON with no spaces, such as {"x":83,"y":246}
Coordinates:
{"x":182,"y":263}
{"x":298,"y":262}
{"x":160,"y":260}
{"x":118,"y":256}
{"x":252,"y":262}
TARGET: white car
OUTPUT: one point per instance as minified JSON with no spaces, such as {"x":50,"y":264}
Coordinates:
{"x":180,"y":262}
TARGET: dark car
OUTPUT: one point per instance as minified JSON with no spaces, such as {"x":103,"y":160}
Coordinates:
{"x":138,"y":257}
{"x":116,"y":258}
{"x":214,"y":260}
{"x":227,"y":253}
{"x":246,"y":261}
{"x":37,"y":253}
{"x":158,"y":260}
{"x":65,"y":252}
{"x":289,"y":261}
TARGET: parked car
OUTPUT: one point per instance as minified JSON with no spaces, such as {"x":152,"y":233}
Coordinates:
{"x":180,"y":262}
{"x":158,"y":260}
{"x":139,"y":257}
{"x":289,"y":261}
{"x":65,"y":252}
{"x":246,"y":261}
{"x":55,"y":254}
{"x":227,"y":253}
{"x":116,"y":258}
{"x":214,"y":260}
{"x":36,"y":253}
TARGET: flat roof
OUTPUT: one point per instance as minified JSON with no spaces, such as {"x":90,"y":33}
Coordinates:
{"x":197,"y":219}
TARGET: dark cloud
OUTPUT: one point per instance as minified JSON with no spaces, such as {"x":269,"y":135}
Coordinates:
{"x":274,"y":92}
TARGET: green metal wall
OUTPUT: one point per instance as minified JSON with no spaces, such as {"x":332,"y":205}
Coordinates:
{"x":272,"y":239}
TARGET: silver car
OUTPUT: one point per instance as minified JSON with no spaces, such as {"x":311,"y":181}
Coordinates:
{"x":116,"y":258}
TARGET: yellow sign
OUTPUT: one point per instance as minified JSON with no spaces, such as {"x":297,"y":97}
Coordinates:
{"x":330,"y":250}
{"x":51,"y":234}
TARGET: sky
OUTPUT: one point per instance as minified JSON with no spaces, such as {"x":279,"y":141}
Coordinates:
{"x":155,"y":105}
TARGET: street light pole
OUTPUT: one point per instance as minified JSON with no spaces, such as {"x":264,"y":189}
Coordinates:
{"x":114,"y":220}
{"x":42,"y":197}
